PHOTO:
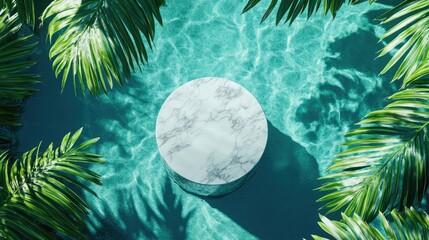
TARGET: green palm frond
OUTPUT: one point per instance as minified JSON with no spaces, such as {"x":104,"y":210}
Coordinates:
{"x":409,"y":224}
{"x":386,"y":161}
{"x":15,"y":86}
{"x":290,"y":9}
{"x":100,"y":42}
{"x":24,"y":8}
{"x":411,"y":39}
{"x":37,"y":187}
{"x":349,"y":228}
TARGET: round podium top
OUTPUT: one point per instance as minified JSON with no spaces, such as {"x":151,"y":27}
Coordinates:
{"x":211,"y":131}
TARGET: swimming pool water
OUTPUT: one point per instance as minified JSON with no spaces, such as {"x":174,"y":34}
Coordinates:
{"x":313,"y":79}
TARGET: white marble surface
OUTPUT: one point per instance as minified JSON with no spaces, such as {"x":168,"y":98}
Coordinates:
{"x":211,"y":131}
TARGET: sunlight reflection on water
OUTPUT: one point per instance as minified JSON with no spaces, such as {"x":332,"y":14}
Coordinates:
{"x":312,"y":79}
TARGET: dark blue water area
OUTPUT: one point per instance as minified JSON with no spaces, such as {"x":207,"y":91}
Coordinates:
{"x":314,"y":80}
{"x":279,"y":200}
{"x":51,"y":113}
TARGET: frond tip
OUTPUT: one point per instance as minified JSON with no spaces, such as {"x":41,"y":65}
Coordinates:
{"x":409,"y":224}
{"x":411,"y":38}
{"x":38,"y":186}
{"x":100,"y":42}
{"x":386,"y":162}
{"x":289,"y":10}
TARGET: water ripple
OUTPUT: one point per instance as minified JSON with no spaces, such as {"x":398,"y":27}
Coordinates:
{"x":311,"y":85}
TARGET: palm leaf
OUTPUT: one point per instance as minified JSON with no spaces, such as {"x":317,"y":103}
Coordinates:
{"x":37,"y":187}
{"x":24,"y":8}
{"x":386,"y":161}
{"x":15,"y":86}
{"x":409,"y":224}
{"x":100,"y":42}
{"x":290,"y":9}
{"x":411,"y":38}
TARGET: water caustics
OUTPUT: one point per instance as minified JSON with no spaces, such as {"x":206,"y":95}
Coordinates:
{"x":312,"y":80}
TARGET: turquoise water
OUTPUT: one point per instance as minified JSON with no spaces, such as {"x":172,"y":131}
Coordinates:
{"x":313,"y":80}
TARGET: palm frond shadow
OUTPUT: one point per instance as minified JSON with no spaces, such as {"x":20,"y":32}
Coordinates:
{"x":348,"y":87}
{"x":352,"y":56}
{"x":110,"y":115}
{"x":166,"y":216}
{"x":38,"y":116}
{"x":278,"y":201}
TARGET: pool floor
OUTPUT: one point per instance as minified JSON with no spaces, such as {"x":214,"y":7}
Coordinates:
{"x":313,"y":79}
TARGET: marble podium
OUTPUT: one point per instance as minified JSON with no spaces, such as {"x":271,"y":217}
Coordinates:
{"x":211,"y":133}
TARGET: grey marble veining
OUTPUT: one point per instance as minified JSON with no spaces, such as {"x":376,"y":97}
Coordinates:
{"x":211,"y":131}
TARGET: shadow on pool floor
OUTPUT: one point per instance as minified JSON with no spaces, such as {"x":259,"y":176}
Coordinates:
{"x":278,"y":202}
{"x":166,"y":220}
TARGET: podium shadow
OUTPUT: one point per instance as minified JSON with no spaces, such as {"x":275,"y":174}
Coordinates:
{"x":278,"y":202}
